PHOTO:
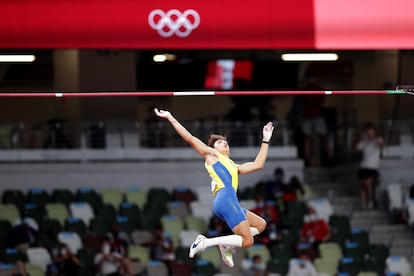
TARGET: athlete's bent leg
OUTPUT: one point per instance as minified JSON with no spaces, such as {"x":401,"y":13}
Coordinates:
{"x":256,"y":222}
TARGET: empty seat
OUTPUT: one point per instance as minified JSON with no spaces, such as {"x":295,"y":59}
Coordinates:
{"x":82,"y":210}
{"x":106,"y":213}
{"x":9,"y":212}
{"x":173,"y":225}
{"x":112,"y":197}
{"x":137,"y":196}
{"x":322,"y":206}
{"x":398,"y":264}
{"x":259,"y":249}
{"x":202,"y":210}
{"x":13,"y":196}
{"x":157,"y":268}
{"x":178,"y":208}
{"x":187,"y":237}
{"x":132,"y":212}
{"x":32,"y":210}
{"x":140,"y":253}
{"x":195,"y":223}
{"x":64,"y":196}
{"x":140,"y":236}
{"x":39,"y":196}
{"x":76,"y":225}
{"x":211,"y":254}
{"x":57,"y":211}
{"x":71,"y":239}
{"x":39,"y":256}
{"x":90,"y":196}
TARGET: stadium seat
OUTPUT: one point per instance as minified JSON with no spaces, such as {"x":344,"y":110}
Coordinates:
{"x":349,"y":265}
{"x":99,"y":226}
{"x":180,"y":268}
{"x":9,"y":212}
{"x":76,"y":225}
{"x":360,"y":236}
{"x":211,"y":254}
{"x":157,"y":268}
{"x":50,"y":228}
{"x":34,"y":270}
{"x":326,"y":265}
{"x":204,"y":267}
{"x":32,"y":210}
{"x":38,"y":196}
{"x":173,"y":225}
{"x":13,"y":196}
{"x":82,"y":210}
{"x":202,"y":210}
{"x":89,"y":195}
{"x":195,"y":223}
{"x":107,"y":213}
{"x":11,"y":255}
{"x":139,"y":253}
{"x":72,"y":240}
{"x":330,"y":251}
{"x":178,"y":209}
{"x":354,"y":250}
{"x":64,"y":196}
{"x":379,"y":252}
{"x":248,"y":204}
{"x":259,"y":249}
{"x":181,"y":254}
{"x":187,"y":237}
{"x":395,"y":196}
{"x":183,"y":194}
{"x":5,"y":231}
{"x":137,"y":196}
{"x":112,"y":197}
{"x":132,"y":212}
{"x":398,"y":264}
{"x":278,"y":267}
{"x":140,"y":236}
{"x":39,"y":256}
{"x":57,"y":211}
{"x":322,"y":206}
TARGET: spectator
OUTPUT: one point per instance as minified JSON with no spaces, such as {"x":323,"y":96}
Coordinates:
{"x":119,"y":244}
{"x":218,"y":227}
{"x":274,"y":187}
{"x":253,"y":267}
{"x":24,"y":235}
{"x":292,"y":189}
{"x":108,"y":262}
{"x":314,"y":230}
{"x":370,"y":145}
{"x":268,"y":211}
{"x":65,"y":262}
{"x":302,"y":266}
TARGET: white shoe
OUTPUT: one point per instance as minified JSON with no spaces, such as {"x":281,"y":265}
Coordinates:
{"x":227,"y":254}
{"x":198,"y":245}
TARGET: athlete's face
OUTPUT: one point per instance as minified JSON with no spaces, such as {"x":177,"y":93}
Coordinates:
{"x":222,"y":146}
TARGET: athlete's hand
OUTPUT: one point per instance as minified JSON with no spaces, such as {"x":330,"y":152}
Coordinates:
{"x":162,"y":113}
{"x":268,"y":131}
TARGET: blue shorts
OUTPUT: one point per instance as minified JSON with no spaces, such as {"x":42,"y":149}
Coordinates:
{"x":226,"y":207}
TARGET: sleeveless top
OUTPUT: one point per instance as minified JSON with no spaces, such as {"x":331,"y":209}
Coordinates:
{"x":224,"y":174}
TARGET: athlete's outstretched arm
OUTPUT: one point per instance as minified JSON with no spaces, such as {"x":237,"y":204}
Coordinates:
{"x":261,"y":157}
{"x":196,"y":143}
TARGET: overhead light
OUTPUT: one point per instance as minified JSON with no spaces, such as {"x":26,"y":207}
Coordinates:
{"x":163,"y":57}
{"x":17,"y":58}
{"x":310,"y":57}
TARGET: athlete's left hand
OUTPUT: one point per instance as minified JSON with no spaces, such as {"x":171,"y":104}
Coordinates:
{"x":268,"y":131}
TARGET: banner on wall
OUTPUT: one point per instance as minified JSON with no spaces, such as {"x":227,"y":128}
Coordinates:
{"x":202,"y":24}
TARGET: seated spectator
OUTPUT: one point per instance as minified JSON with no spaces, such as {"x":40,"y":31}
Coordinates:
{"x":253,"y":267}
{"x":274,"y":187}
{"x":161,"y":246}
{"x":65,"y":262}
{"x":292,"y":189}
{"x":268,"y":211}
{"x":302,"y":266}
{"x":314,"y":230}
{"x":24,"y":235}
{"x":119,"y":244}
{"x":108,"y":263}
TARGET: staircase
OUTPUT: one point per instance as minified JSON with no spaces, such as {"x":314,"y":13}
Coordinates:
{"x":340,"y":185}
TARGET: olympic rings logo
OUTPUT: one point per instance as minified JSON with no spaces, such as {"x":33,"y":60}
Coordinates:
{"x":174,"y":22}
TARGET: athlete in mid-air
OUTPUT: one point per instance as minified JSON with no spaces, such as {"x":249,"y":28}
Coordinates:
{"x":224,"y":183}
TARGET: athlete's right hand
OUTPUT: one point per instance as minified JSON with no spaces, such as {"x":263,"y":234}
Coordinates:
{"x":162,"y":113}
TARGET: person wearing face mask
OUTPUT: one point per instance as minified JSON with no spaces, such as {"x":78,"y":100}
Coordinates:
{"x":108,"y":263}
{"x":65,"y":262}
{"x":224,"y":174}
{"x":274,"y":187}
{"x":314,"y":230}
{"x":302,"y":266}
{"x":253,"y":267}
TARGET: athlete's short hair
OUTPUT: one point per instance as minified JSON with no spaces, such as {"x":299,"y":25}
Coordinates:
{"x":213,"y":138}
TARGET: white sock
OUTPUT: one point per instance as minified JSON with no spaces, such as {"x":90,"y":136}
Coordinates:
{"x":254,"y":231}
{"x":230,"y":240}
